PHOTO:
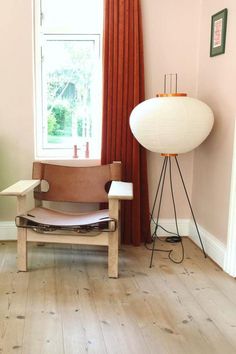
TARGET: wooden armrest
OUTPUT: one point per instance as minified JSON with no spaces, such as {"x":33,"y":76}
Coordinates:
{"x":121,"y":190}
{"x":21,"y":188}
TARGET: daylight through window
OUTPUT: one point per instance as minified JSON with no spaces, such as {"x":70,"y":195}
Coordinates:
{"x":68,"y":78}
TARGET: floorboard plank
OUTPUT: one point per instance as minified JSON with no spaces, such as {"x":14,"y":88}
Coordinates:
{"x":66,"y":304}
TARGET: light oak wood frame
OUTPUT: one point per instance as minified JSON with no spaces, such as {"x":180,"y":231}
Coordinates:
{"x":118,"y":191}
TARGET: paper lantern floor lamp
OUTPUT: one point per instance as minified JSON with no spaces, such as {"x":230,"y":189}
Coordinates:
{"x":171,"y":124}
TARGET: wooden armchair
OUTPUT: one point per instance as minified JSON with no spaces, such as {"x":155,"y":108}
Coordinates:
{"x":96,"y":184}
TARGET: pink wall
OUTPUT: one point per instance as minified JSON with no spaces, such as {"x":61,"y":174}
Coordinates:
{"x":177,"y":39}
{"x":174,"y":41}
{"x":212,"y":160}
{"x":170,"y":35}
{"x":16,"y":103}
{"x":171,"y":31}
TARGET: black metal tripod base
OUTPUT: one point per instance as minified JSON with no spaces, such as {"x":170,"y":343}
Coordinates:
{"x":174,"y":238}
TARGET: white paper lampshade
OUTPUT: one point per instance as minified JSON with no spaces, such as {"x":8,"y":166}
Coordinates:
{"x":171,"y":124}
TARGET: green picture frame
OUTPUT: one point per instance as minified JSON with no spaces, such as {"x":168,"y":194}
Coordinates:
{"x":218,"y":32}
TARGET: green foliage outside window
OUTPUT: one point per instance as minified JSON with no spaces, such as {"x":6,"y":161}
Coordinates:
{"x":59,"y":121}
{"x":69,"y":95}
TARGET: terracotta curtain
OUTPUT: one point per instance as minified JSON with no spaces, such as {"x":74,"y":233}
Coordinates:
{"x":123,"y":89}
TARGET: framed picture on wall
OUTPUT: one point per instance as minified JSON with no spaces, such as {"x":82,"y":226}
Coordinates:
{"x":218,"y":32}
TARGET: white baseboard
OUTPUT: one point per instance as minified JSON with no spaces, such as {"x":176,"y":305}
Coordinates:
{"x":7,"y":231}
{"x":169,"y":225}
{"x":213,"y":247}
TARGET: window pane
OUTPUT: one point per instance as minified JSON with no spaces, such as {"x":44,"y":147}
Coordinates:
{"x":72,"y":16}
{"x":70,"y":75}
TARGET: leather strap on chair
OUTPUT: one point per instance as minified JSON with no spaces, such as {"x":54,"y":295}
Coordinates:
{"x":75,"y":184}
{"x":53,"y":220}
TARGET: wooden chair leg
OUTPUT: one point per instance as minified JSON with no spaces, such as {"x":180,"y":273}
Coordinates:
{"x":22,"y":250}
{"x":113,"y":257}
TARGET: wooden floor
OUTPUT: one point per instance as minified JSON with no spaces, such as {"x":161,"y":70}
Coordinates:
{"x":66,"y":303}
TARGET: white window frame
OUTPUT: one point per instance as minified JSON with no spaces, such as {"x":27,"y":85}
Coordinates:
{"x":42,"y":150}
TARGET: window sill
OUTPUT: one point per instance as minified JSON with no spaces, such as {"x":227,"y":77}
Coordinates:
{"x":70,"y":161}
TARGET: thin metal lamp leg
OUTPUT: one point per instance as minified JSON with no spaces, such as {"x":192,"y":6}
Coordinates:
{"x":158,"y":187}
{"x":190,"y":206}
{"x":160,"y":183}
{"x":177,"y":238}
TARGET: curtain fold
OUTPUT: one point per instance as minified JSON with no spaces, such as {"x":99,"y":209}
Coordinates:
{"x":123,"y":89}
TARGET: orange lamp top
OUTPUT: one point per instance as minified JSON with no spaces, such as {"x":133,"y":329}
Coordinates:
{"x":176,"y":94}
